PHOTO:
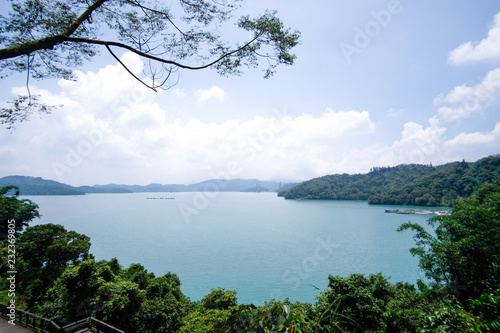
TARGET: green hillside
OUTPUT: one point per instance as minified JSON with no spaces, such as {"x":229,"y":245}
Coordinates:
{"x":39,"y":186}
{"x":407,"y":184}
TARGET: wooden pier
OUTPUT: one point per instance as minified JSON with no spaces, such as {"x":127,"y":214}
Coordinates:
{"x":419,"y":211}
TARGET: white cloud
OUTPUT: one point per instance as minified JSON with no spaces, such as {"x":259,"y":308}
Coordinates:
{"x":467,"y":141}
{"x":464,"y":101}
{"x":180,"y":93}
{"x":214,"y":92}
{"x":103,"y":141}
{"x":488,"y":49}
{"x":112,"y":130}
{"x":423,"y":146}
{"x":419,"y":145}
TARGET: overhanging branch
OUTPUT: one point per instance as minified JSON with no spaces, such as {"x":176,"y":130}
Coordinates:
{"x":129,"y":71}
{"x":161,"y":60}
{"x":49,"y":42}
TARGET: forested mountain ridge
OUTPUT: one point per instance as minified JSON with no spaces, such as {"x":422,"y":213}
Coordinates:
{"x":406,"y":184}
{"x":39,"y":186}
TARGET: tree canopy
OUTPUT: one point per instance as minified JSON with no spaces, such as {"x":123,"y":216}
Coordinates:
{"x":405,"y":184}
{"x":58,"y":279}
{"x":464,"y":253}
{"x":49,"y":38}
{"x":22,"y":211}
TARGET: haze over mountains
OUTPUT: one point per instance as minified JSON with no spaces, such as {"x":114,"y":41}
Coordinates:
{"x":38,"y":186}
{"x":405,"y":184}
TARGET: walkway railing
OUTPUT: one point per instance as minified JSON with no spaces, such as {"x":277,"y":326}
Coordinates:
{"x":30,"y":320}
{"x":45,"y":325}
{"x":92,"y":324}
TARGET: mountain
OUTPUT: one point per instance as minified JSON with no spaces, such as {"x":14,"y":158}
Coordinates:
{"x":114,"y":188}
{"x":39,"y":186}
{"x":407,"y":184}
{"x":233,"y":185}
{"x":256,"y":189}
{"x":111,"y":189}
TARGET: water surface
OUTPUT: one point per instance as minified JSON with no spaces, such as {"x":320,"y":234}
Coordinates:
{"x":258,"y":244}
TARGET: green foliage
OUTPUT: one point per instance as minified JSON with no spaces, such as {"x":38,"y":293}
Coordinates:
{"x":274,"y":316}
{"x":50,"y":38}
{"x":206,"y":321}
{"x":131,"y":299}
{"x":71,"y":297}
{"x":448,"y":317}
{"x":413,"y":184}
{"x":118,"y":303}
{"x":464,"y":253}
{"x":356,"y":303}
{"x":13,"y":208}
{"x":42,"y":254}
{"x":60,"y":280}
{"x":487,"y":311}
{"x":48,"y":245}
{"x":165,"y":305}
{"x":220,"y":299}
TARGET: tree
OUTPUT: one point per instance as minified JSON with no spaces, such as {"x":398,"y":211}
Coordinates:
{"x":49,"y":38}
{"x":43,"y":253}
{"x":118,"y":304}
{"x":220,"y":299}
{"x":165,"y":306}
{"x":71,"y":296}
{"x":356,"y":303}
{"x":22,"y":211}
{"x":464,"y":254}
{"x":274,"y":317}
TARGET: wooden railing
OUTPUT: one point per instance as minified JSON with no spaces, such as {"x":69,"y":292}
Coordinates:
{"x":98,"y":326}
{"x":30,"y":320}
{"x":45,"y":325}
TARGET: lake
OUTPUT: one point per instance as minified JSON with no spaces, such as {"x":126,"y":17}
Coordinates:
{"x":258,"y":244}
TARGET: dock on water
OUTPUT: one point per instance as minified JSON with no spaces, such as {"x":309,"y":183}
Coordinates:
{"x":419,"y":211}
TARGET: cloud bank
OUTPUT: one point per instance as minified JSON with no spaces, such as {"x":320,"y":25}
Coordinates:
{"x":113,"y":130}
{"x":465,"y":101}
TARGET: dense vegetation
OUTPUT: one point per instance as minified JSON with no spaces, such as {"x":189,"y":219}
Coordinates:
{"x":58,"y":278}
{"x":413,"y":184}
{"x":13,"y":208}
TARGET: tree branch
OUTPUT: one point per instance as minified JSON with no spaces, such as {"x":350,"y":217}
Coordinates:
{"x":86,"y":16}
{"x":49,"y":42}
{"x":161,"y":60}
{"x":144,"y":8}
{"x":128,"y":70}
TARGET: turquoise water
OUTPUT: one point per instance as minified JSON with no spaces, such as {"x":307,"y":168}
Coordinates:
{"x":258,"y":244}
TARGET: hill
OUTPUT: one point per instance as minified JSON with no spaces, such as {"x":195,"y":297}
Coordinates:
{"x":39,"y":186}
{"x":234,"y":185}
{"x":408,"y":184}
{"x":114,"y":188}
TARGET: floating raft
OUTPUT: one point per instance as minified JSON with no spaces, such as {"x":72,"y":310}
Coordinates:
{"x":419,"y":211}
{"x":160,"y":198}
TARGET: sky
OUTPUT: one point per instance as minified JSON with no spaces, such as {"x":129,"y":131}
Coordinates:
{"x":375,"y":83}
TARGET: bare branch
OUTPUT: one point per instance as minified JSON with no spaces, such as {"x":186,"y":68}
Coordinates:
{"x":128,"y":70}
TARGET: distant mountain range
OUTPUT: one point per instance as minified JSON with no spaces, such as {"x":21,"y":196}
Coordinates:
{"x":406,"y":184}
{"x":38,"y":186}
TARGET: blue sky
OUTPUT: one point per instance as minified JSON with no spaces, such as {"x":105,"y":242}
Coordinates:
{"x":375,"y":83}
